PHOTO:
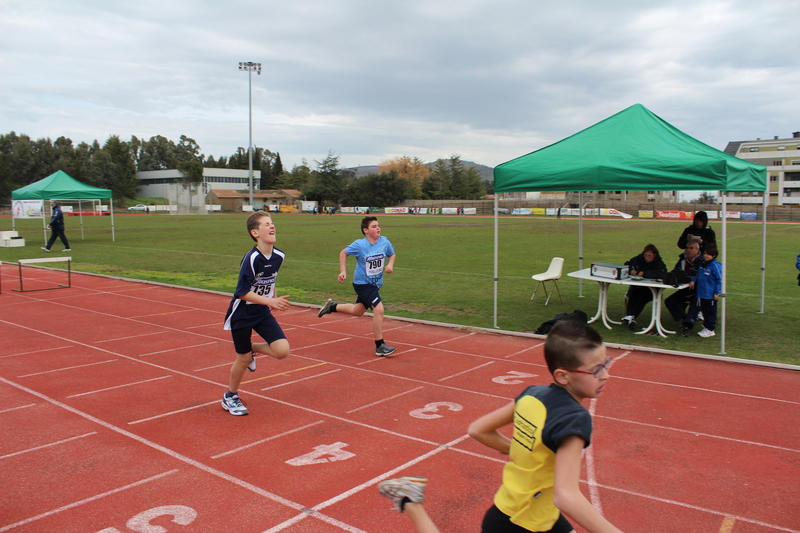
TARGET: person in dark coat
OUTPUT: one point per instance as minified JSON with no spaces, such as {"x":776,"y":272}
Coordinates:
{"x":688,"y":261}
{"x":647,"y":264}
{"x":57,"y":227}
{"x":698,"y":230}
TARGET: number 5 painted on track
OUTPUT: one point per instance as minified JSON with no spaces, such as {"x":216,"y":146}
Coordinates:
{"x":429,"y":411}
{"x":513,"y":378}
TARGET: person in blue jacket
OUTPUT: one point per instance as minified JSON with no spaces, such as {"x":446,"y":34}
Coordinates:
{"x":57,"y":227}
{"x":708,"y":285}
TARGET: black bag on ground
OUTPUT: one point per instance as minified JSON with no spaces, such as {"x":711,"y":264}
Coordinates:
{"x":576,"y":315}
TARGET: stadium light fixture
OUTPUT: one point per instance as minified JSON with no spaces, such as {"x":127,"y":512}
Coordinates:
{"x":250,"y":67}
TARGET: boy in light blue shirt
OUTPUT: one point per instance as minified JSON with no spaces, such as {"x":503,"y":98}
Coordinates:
{"x":374,"y":254}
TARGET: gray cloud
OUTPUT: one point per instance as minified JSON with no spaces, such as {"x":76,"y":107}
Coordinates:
{"x":489,"y":80}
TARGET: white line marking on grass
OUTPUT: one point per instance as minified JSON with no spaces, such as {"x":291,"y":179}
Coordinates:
{"x":182,"y":348}
{"x":302,"y":379}
{"x":68,"y":368}
{"x":87,"y":500}
{"x":699,"y":434}
{"x":20,"y":407}
{"x":381,"y":401}
{"x":47,"y":445}
{"x":172,"y":413}
{"x":524,"y":350}
{"x":35,"y":351}
{"x":466,"y":371}
{"x":118,"y":387}
{"x":133,"y":337}
{"x":698,"y":508}
{"x":453,"y":339}
{"x":256,"y":443}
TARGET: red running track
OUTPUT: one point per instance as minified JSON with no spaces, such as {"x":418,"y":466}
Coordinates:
{"x":111,"y":422}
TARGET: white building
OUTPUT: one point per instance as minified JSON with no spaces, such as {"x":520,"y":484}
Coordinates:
{"x":163,"y":183}
{"x":782,"y":159}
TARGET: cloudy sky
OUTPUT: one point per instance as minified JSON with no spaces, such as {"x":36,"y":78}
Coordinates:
{"x":375,"y":79}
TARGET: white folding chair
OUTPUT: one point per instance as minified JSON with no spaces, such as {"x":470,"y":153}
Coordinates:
{"x":553,"y":274}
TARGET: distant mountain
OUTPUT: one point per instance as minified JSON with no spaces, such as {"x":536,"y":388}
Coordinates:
{"x":486,"y":173}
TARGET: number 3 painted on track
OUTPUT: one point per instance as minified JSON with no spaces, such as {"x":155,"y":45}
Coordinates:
{"x":429,"y":411}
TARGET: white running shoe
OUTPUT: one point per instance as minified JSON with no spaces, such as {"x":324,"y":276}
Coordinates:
{"x":252,"y":366}
{"x":234,"y":405}
{"x":706,"y":333}
{"x":412,"y":488}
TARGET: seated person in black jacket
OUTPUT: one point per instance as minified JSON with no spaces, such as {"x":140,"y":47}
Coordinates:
{"x":647,"y":264}
{"x":688,"y":262}
{"x":698,"y":230}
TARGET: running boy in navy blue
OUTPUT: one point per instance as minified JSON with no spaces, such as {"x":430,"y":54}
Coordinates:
{"x":374,"y":254}
{"x":708,"y":284}
{"x":251,"y":308}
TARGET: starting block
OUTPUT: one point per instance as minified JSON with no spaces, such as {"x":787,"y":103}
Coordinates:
{"x":46,"y":260}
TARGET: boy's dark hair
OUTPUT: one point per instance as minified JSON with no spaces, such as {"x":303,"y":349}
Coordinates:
{"x":254,"y":220}
{"x":711,"y":249}
{"x":365,"y":222}
{"x":567,"y":342}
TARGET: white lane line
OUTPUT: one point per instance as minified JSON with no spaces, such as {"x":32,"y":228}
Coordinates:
{"x":87,"y":500}
{"x":467,"y":371}
{"x":453,"y":339}
{"x":594,"y":494}
{"x":182,"y":348}
{"x":302,"y":379}
{"x":162,"y":415}
{"x":524,"y":350}
{"x":118,"y":387}
{"x":35,"y":351}
{"x":383,"y":400}
{"x":132,"y":337}
{"x":68,"y":368}
{"x":47,"y":445}
{"x":15,"y":408}
{"x":256,"y":443}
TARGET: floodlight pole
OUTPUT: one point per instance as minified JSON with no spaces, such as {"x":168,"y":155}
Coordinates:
{"x":249,"y":66}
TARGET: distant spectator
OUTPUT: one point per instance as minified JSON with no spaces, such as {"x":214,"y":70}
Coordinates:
{"x":708,"y":284}
{"x":698,"y":230}
{"x":56,"y":227}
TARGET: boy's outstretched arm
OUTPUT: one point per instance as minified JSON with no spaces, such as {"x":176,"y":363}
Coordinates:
{"x":567,"y":492}
{"x":342,"y":265}
{"x":485,"y":429}
{"x":279,"y":304}
{"x":390,"y":264}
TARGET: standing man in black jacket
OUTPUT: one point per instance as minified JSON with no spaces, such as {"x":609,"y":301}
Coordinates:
{"x":57,"y":227}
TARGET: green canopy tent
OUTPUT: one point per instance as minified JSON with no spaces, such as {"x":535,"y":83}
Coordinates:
{"x":62,"y":186}
{"x":634,"y":150}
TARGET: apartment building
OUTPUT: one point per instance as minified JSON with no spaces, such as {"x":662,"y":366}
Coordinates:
{"x":782,"y":159}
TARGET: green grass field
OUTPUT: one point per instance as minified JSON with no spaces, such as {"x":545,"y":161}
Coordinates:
{"x":444,"y":267}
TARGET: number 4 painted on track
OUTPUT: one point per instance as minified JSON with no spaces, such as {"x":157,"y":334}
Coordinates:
{"x":323,"y":454}
{"x":513,"y":378}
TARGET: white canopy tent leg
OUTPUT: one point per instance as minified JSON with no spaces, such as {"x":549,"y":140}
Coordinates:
{"x":113,"y":237}
{"x":580,"y":241}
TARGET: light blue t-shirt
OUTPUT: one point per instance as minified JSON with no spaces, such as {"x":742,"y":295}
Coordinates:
{"x":371,"y":259}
